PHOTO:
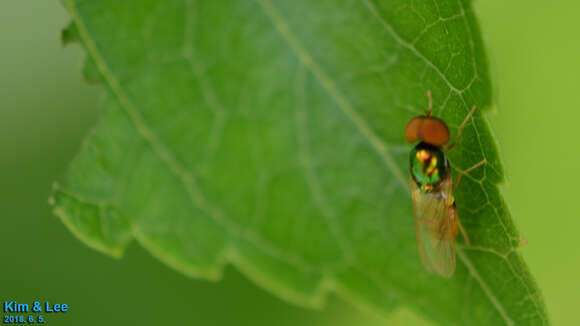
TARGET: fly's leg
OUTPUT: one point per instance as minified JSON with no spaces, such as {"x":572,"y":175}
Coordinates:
{"x":463,"y":233}
{"x":461,"y":173}
{"x":456,"y":223}
{"x":460,"y":129}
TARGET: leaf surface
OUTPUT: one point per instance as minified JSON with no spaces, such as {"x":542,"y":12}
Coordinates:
{"x":269,"y":135}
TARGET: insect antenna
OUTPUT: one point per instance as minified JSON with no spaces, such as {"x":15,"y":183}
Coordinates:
{"x":430,"y":109}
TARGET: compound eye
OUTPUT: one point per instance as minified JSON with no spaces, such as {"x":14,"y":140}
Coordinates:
{"x":413,"y":129}
{"x":434,"y":131}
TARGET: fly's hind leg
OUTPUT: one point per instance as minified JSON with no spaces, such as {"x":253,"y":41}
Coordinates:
{"x":463,"y":233}
{"x":455,"y":223}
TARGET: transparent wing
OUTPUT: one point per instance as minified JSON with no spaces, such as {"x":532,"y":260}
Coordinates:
{"x":436,"y":228}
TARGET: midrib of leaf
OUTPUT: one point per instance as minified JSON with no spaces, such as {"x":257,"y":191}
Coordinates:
{"x":306,"y":59}
{"x":380,"y":146}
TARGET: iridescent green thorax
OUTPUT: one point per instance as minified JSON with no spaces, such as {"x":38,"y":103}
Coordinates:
{"x":428,"y":166}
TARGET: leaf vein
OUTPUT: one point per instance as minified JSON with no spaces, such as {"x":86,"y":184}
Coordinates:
{"x":309,"y":171}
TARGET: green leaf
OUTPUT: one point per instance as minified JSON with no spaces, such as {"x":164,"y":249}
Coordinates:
{"x":269,"y":134}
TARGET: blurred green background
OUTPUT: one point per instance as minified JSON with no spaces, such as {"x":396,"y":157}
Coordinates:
{"x":46,"y":110}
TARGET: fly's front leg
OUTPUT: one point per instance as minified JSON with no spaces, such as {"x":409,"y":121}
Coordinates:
{"x":460,"y":129}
